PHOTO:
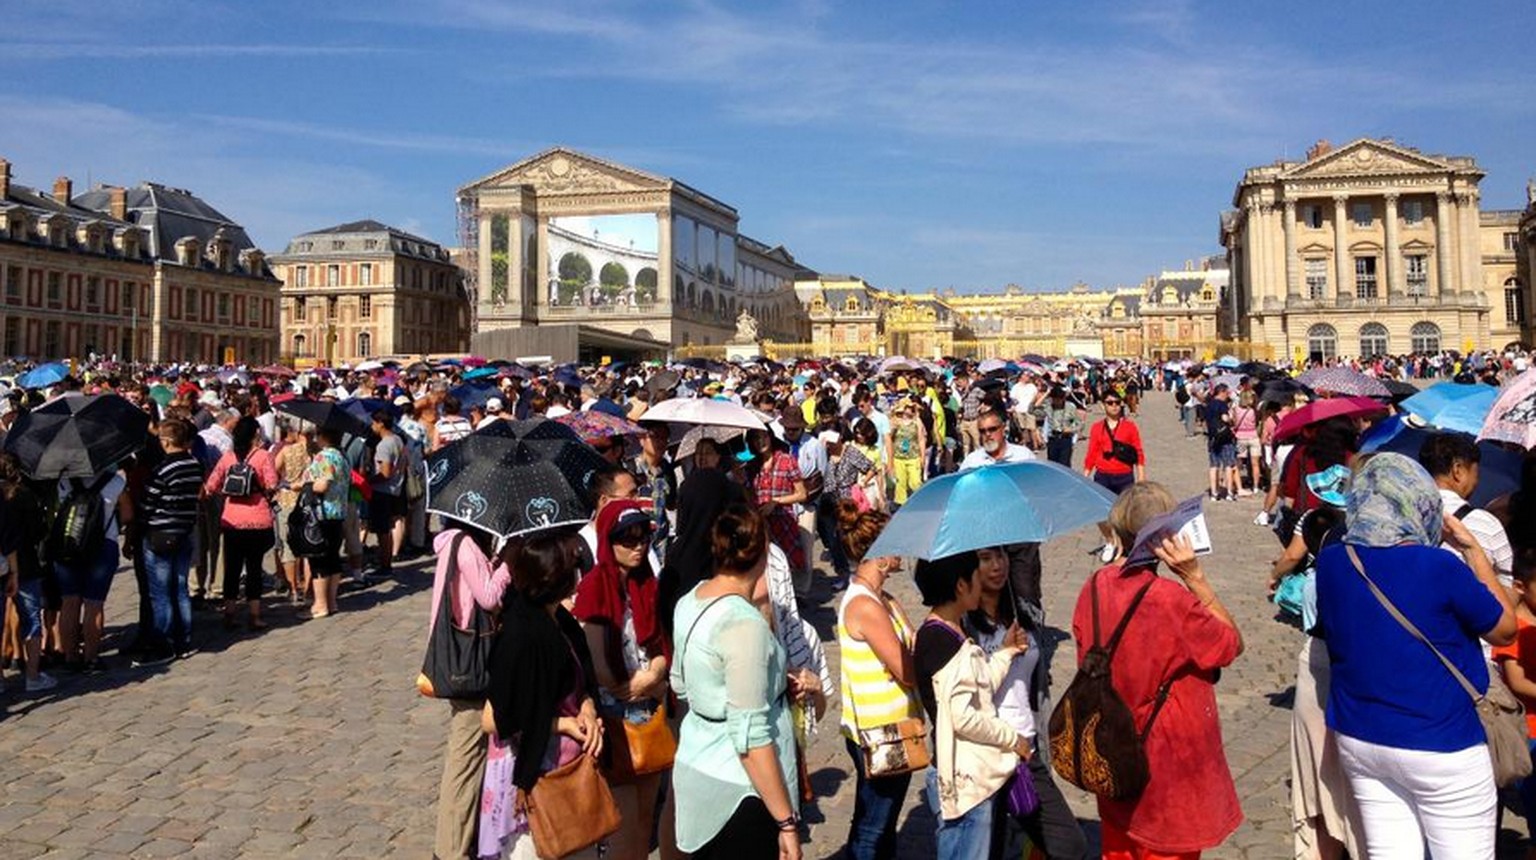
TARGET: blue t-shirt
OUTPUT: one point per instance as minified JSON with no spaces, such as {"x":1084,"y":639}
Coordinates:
{"x":1387,"y":687}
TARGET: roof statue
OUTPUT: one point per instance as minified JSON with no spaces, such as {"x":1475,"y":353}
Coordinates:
{"x":746,"y":328}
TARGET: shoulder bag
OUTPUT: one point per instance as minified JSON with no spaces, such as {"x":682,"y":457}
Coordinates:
{"x":895,"y":748}
{"x":1125,"y":452}
{"x":1502,"y":715}
{"x":637,"y":750}
{"x":570,"y":808}
{"x":458,"y":661}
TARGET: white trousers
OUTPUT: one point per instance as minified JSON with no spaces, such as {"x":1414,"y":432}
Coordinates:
{"x":1408,"y":798}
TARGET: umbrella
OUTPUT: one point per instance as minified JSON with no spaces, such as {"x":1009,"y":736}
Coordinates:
{"x":474,"y":394}
{"x":481,"y":373}
{"x":77,"y":436}
{"x":1229,"y":362}
{"x":1034,"y":358}
{"x":991,"y":364}
{"x":323,"y":413}
{"x":43,"y":375}
{"x":1024,"y":502}
{"x":1342,"y":380}
{"x":690,"y":441}
{"x":701,"y":410}
{"x":1513,"y":415}
{"x":370,"y":364}
{"x":1498,"y":471}
{"x":364,"y":407}
{"x":277,"y":370}
{"x":234,"y":377}
{"x":592,"y":424}
{"x":416,"y":367}
{"x":1283,"y":391}
{"x":898,"y":364}
{"x":514,"y":477}
{"x":1400,"y":390}
{"x":1255,"y":368}
{"x":1230,"y":380}
{"x":1322,"y":410}
{"x":1453,"y":405}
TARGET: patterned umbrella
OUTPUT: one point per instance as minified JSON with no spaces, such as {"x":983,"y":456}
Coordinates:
{"x":690,"y":442}
{"x":1343,"y":380}
{"x":1513,"y":416}
{"x":77,"y":437}
{"x":513,"y":478}
{"x":592,"y":424}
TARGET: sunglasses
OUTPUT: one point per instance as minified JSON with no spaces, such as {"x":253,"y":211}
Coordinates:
{"x":631,"y":539}
{"x":1112,"y":403}
{"x":996,"y":428}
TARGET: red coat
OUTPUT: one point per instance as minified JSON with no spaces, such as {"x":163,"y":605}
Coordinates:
{"x":1190,"y":803}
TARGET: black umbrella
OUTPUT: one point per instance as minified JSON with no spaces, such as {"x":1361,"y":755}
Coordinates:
{"x":1283,"y":391}
{"x":77,"y":437}
{"x":1255,"y":368}
{"x":1400,"y":391}
{"x":323,"y":413}
{"x":514,"y":477}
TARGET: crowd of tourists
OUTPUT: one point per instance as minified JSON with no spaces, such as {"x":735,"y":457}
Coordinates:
{"x":648,"y":681}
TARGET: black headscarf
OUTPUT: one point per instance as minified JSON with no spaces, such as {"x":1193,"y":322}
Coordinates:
{"x":690,"y":559}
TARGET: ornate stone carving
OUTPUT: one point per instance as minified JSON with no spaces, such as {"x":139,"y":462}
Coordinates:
{"x":746,"y":328}
{"x":562,"y":174}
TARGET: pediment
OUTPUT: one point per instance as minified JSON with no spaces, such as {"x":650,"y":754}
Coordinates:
{"x":565,"y":171}
{"x":1367,"y":157}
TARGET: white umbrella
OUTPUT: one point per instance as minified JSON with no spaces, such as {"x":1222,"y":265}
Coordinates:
{"x":370,"y":364}
{"x":701,"y":410}
{"x":898,"y":364}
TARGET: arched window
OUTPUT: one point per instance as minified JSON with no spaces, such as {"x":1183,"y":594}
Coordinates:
{"x":1514,"y":303}
{"x":364,"y":344}
{"x":1322,"y":341}
{"x":1424,"y":337}
{"x":299,"y":341}
{"x":1373,"y":340}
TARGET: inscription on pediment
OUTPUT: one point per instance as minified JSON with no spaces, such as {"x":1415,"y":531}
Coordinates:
{"x":1365,"y":158}
{"x":564,"y":174}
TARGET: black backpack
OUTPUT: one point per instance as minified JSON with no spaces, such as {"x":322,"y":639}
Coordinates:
{"x":1095,"y":744}
{"x":241,"y":479}
{"x":1181,"y":395}
{"x":80,"y":523}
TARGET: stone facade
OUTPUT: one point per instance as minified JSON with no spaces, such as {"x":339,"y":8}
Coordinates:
{"x":567,"y":238}
{"x":148,"y":273}
{"x":364,"y":290}
{"x":1502,"y":247}
{"x":1365,"y":248}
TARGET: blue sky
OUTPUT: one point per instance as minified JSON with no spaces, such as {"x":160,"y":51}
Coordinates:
{"x":919,"y":144}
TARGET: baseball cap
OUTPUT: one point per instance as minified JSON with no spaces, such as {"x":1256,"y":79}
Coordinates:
{"x":493,"y":404}
{"x":629,"y":519}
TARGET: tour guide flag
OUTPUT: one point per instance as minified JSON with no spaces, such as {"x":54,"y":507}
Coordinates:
{"x":1186,"y":519}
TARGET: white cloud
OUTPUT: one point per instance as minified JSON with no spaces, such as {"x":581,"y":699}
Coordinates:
{"x":42,"y":51}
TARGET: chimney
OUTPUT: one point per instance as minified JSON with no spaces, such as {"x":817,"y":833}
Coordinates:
{"x":5,"y":179}
{"x":117,"y":205}
{"x":63,"y":189}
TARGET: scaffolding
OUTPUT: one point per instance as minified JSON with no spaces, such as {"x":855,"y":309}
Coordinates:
{"x":467,"y":213}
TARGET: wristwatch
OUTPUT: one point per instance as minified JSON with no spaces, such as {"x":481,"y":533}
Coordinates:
{"x":788,"y":824}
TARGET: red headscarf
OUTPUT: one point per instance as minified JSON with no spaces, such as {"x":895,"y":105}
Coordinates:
{"x":603,"y":593}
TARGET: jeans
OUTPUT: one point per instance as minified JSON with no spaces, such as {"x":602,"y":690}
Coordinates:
{"x":1058,"y":449}
{"x":826,"y":529}
{"x":876,"y":808}
{"x":1408,"y":798}
{"x":968,"y":837}
{"x":1187,"y":415}
{"x":170,"y":602}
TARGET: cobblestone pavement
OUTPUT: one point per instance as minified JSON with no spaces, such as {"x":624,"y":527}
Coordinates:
{"x":309,"y":740}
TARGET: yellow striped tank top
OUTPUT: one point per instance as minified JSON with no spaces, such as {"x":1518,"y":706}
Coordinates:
{"x":871,"y":697}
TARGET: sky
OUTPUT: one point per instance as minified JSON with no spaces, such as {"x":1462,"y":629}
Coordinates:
{"x":921,"y":145}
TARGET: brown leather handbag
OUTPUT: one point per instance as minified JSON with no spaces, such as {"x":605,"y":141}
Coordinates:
{"x":638,"y":749}
{"x":570,"y":808}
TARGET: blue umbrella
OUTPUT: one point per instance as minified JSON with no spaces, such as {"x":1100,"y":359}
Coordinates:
{"x":364,"y":407}
{"x":1499,"y":468}
{"x":1230,"y":362}
{"x":1025,"y":502}
{"x":481,"y":373}
{"x":474,"y":394}
{"x":43,"y":375}
{"x":1453,"y":405}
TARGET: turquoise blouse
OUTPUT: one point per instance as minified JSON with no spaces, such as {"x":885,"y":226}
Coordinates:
{"x":731,"y":671}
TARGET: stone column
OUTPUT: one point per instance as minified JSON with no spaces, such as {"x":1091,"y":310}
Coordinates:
{"x":1444,"y":253}
{"x":483,"y":263}
{"x":517,"y":295}
{"x":1292,"y":262}
{"x":1392,"y":266}
{"x":1469,"y":248}
{"x":664,"y":296}
{"x":1251,"y":232}
{"x":541,"y":288}
{"x":1341,"y":280}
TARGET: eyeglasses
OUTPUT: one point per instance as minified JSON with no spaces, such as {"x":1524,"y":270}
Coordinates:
{"x":631,"y":539}
{"x":990,"y":429}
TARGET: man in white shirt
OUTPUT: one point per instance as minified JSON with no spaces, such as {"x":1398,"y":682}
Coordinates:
{"x":1024,"y":394}
{"x":995,"y":447}
{"x":494,"y":410}
{"x":1452,"y":460}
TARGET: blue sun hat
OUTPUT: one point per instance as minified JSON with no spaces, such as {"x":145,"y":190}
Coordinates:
{"x":1331,"y":485}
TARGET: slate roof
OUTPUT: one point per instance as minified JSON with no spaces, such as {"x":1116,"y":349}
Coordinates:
{"x":169,"y":215}
{"x":44,"y":206}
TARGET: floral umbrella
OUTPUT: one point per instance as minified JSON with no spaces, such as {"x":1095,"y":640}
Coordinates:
{"x":1513,"y":416}
{"x":1343,"y":380}
{"x":592,"y":425}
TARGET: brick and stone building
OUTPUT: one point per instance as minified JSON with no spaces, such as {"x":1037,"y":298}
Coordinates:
{"x":366,"y":290}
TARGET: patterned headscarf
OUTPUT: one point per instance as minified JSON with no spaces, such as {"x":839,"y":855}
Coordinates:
{"x":1392,"y":501}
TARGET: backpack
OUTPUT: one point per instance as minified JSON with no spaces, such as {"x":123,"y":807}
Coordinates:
{"x":305,"y":536}
{"x":1181,"y":395}
{"x":1095,"y":744}
{"x":240,"y":481}
{"x":80,"y":524}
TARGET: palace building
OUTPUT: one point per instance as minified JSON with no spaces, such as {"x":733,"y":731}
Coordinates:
{"x":149,"y":273}
{"x":365,"y":289}
{"x":577,"y":257}
{"x":1369,"y":248}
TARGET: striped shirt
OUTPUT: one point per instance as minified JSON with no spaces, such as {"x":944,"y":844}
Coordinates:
{"x":170,"y":495}
{"x":871,"y":697}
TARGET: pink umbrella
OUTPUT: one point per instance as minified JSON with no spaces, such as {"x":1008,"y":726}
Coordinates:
{"x":1513,"y":416}
{"x":593,"y":425}
{"x":1321,"y":410}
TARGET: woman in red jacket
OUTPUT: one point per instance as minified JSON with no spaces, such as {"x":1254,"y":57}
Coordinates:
{"x":1115,"y":459}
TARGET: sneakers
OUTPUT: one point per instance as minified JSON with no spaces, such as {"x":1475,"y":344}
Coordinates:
{"x":153,"y":658}
{"x":1261,"y":519}
{"x":42,"y":683}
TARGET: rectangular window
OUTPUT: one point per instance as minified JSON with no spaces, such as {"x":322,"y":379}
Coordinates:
{"x":301,"y":276}
{"x":1360,"y":213}
{"x":1514,"y":308}
{"x":224,"y":308}
{"x":370,"y":244}
{"x":191,"y":304}
{"x":332,"y":276}
{"x":365,"y":307}
{"x":1317,"y":278}
{"x":330,"y":308}
{"x":1312,"y":217}
{"x":365,"y":274}
{"x":298,"y":309}
{"x":1511,"y":241}
{"x":93,"y":293}
{"x":55,"y":291}
{"x":128,"y":290}
{"x":12,"y":336}
{"x":1365,"y":277}
{"x":1417,"y":268}
{"x":1413,"y":212}
{"x":51,"y":339}
{"x":13,"y":287}
{"x":337,"y":244}
{"x":91,"y":336}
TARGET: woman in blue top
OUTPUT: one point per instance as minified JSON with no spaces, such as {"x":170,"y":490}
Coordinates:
{"x":1409,"y":740}
{"x":736,"y":754}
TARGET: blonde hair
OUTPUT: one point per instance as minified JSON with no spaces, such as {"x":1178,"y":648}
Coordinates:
{"x":1135,"y":508}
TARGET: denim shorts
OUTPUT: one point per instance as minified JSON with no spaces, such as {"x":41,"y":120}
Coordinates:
{"x":29,"y":608}
{"x":1224,"y":457}
{"x":89,"y":580}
